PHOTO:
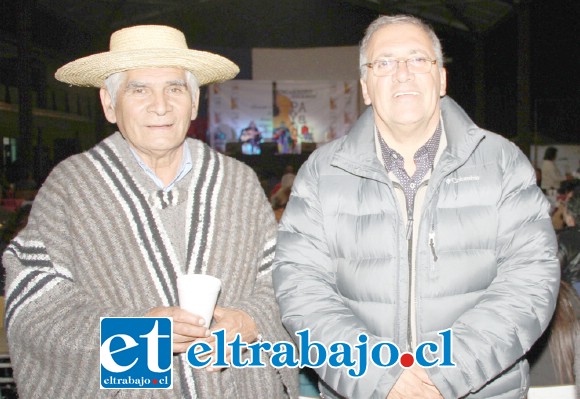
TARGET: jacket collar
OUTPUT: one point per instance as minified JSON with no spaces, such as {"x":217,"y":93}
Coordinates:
{"x":463,"y":137}
{"x":357,"y":152}
{"x":462,"y":134}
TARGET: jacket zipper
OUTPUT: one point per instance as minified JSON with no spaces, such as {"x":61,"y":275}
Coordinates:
{"x":409,"y":237}
{"x":411,"y":277}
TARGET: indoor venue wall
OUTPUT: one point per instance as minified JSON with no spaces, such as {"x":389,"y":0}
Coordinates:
{"x":322,"y":63}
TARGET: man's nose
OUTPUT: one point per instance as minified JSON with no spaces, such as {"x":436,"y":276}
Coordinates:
{"x":402,"y":73}
{"x":159,"y":104}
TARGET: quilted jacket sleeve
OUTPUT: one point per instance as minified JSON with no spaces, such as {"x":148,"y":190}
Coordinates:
{"x":305,"y":287}
{"x":517,"y":307}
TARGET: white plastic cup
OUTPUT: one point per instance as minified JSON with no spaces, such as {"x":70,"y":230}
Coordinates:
{"x":198,"y":294}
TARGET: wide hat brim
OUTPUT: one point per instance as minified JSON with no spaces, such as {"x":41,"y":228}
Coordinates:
{"x":92,"y":70}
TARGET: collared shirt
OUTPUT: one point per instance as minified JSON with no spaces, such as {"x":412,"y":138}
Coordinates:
{"x":184,"y":168}
{"x":410,"y":195}
{"x":424,"y":161}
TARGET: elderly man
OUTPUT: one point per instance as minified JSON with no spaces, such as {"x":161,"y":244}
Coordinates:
{"x":415,"y":223}
{"x":112,"y":228}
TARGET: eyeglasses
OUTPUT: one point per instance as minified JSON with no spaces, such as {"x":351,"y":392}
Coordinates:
{"x":388,"y":66}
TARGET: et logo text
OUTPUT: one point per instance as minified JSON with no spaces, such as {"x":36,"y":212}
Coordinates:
{"x":136,"y":353}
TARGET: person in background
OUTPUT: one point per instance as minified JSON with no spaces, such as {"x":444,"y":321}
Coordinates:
{"x":564,"y":193}
{"x":112,"y":229}
{"x":281,"y":192}
{"x":281,"y":197}
{"x":219,"y":137}
{"x":576,"y":174}
{"x":416,"y":222}
{"x":569,"y":241}
{"x":538,"y":176}
{"x":289,"y":173}
{"x":552,"y":358}
{"x":551,"y":175}
{"x":251,"y":139}
{"x":286,"y":180}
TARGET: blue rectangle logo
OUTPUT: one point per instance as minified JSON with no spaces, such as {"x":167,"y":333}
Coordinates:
{"x":136,"y":352}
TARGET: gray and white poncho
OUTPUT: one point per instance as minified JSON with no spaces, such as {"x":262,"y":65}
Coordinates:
{"x":102,"y":241}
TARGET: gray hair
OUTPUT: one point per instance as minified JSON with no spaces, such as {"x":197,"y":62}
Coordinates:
{"x":386,"y":20}
{"x":113,"y":83}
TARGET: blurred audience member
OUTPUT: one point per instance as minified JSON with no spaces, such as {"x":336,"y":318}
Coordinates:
{"x":576,"y":173}
{"x":552,"y":356}
{"x":286,"y":180}
{"x":279,"y":201}
{"x":551,"y":175}
{"x":564,"y":193}
{"x":569,"y":243}
{"x":281,"y":196}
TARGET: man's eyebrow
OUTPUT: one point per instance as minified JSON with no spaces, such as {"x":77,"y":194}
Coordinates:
{"x":390,"y":54}
{"x":135,"y":84}
{"x":385,"y":55}
{"x":177,"y":82}
{"x":420,"y":51}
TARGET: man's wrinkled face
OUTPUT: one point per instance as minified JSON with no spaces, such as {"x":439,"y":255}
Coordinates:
{"x":154,"y":109}
{"x":404,"y":98}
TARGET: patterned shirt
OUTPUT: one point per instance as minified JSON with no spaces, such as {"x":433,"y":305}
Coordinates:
{"x":424,"y":159}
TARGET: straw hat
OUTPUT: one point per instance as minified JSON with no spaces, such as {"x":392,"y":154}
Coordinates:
{"x":147,"y":46}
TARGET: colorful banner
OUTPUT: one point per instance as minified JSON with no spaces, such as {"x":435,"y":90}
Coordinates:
{"x":286,"y":112}
{"x":343,"y":109}
{"x":240,"y":111}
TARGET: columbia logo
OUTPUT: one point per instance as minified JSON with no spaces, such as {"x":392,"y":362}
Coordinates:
{"x":450,"y":180}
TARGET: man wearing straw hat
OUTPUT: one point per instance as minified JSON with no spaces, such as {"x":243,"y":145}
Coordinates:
{"x":113,"y":227}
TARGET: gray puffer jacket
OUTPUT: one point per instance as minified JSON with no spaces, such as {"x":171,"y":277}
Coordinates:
{"x":490,"y":274}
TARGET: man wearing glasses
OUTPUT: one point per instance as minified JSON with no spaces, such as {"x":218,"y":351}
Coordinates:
{"x":414,"y":223}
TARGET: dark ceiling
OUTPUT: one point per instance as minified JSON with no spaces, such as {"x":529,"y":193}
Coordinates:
{"x":84,"y":26}
{"x":67,"y":29}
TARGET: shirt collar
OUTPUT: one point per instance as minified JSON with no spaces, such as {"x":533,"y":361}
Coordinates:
{"x":392,"y":159}
{"x":185,"y":166}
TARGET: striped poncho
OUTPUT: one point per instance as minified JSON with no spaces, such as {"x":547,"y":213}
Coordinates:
{"x":102,"y":240}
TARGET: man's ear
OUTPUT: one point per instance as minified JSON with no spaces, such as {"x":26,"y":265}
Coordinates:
{"x":365,"y":92}
{"x":194,"y":105}
{"x":443,"y":79}
{"x":108,"y":106}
